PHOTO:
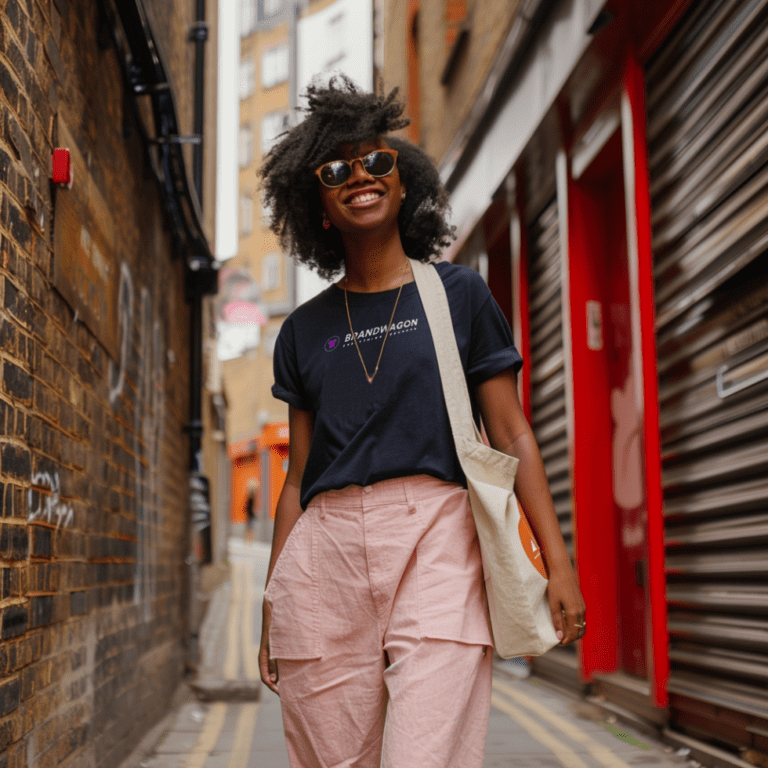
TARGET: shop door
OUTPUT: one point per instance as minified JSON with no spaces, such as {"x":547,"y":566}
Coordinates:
{"x":598,"y":196}
{"x":707,"y":104}
{"x":245,"y":477}
{"x":605,"y":178}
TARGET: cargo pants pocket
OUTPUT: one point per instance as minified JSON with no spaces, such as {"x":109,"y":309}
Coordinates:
{"x":451,"y":589}
{"x":293,"y":595}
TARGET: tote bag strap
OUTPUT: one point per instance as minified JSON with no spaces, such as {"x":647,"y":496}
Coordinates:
{"x":435,"y":302}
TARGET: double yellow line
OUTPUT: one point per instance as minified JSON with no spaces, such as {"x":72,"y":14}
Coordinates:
{"x":539,"y":714}
{"x":239,"y":642}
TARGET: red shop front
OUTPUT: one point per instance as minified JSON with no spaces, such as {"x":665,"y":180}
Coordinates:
{"x":628,"y":244}
{"x":259,"y":466}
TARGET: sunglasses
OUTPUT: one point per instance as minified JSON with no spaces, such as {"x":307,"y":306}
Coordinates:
{"x":379,"y":163}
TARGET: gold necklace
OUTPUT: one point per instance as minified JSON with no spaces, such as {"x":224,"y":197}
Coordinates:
{"x":354,"y":338}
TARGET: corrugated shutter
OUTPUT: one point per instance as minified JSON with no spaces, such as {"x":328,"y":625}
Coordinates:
{"x":708,"y":155}
{"x":548,"y":414}
{"x":547,"y":362}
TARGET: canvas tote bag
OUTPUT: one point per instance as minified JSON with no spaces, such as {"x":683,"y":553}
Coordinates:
{"x":515,"y":577}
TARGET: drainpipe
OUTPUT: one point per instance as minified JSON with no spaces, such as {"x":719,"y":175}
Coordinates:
{"x":195,"y":279}
{"x":199,"y":35}
{"x":196,"y":276}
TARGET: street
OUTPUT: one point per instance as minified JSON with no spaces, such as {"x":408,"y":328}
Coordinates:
{"x":531,"y":724}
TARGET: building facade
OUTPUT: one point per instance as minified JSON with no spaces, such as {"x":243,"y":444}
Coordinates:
{"x":607,"y":170}
{"x":260,"y":273}
{"x":284,"y":44}
{"x":104,"y":268}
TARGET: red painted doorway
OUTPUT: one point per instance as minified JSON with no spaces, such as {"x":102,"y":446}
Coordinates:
{"x":599,"y":195}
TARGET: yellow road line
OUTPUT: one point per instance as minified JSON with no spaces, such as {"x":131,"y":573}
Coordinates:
{"x":206,"y":741}
{"x":561,"y":751}
{"x":246,"y":725}
{"x":231,"y":661}
{"x":249,"y":648}
{"x":599,"y":751}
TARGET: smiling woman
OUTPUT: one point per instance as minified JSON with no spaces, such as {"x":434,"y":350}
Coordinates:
{"x":375,"y":628}
{"x":343,"y":115}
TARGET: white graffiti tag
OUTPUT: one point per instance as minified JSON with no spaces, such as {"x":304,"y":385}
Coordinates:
{"x":124,"y":317}
{"x":50,"y":508}
{"x":142,"y":349}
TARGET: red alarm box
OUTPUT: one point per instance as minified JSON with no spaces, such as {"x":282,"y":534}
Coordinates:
{"x":61,"y":167}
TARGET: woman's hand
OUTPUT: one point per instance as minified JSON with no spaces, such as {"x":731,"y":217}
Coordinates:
{"x":267,"y":665}
{"x":566,"y":604}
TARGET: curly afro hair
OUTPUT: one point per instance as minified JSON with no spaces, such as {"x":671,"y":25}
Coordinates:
{"x":341,"y":113}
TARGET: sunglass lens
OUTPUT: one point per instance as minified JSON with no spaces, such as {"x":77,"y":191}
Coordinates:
{"x":379,"y":163}
{"x":335,"y":174}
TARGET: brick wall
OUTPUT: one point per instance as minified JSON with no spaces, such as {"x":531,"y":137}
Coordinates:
{"x":94,"y":389}
{"x":444,"y":106}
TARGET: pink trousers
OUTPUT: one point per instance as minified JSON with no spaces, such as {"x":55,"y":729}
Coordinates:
{"x":381,"y":630}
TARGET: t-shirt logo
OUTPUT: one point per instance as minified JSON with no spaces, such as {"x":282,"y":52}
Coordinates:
{"x":332,"y":343}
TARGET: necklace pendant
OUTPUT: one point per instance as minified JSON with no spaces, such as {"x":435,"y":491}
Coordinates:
{"x":392,"y":317}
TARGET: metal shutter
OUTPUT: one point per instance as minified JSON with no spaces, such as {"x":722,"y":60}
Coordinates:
{"x":548,"y":415}
{"x":708,"y":155}
{"x":547,"y":364}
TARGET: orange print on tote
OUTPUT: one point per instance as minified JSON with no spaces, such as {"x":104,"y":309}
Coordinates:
{"x":530,"y":545}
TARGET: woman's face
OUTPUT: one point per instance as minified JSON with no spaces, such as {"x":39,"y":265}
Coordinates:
{"x":363,"y":202}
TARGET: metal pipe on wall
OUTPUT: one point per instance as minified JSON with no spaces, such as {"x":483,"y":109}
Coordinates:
{"x":199,"y":35}
{"x":199,"y":487}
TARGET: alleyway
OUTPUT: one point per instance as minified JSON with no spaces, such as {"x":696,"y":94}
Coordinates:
{"x":532,"y":724}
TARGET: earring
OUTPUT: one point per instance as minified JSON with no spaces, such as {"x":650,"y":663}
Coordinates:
{"x":402,"y":194}
{"x":326,"y":222}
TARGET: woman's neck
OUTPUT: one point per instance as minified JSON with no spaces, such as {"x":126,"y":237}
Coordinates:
{"x":374,"y":264}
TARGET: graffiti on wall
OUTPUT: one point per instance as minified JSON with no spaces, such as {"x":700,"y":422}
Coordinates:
{"x":50,"y":508}
{"x":141,"y":343}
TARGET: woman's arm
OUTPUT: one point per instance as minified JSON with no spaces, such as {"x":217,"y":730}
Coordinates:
{"x":287,"y":512}
{"x":509,"y":432}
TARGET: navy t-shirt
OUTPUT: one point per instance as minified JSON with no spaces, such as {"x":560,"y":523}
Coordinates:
{"x":398,"y":425}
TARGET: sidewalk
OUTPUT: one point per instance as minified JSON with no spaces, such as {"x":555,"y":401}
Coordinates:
{"x":226,"y":718}
{"x":229,"y":720}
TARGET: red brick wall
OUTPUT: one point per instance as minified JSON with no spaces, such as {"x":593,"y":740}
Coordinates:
{"x":443,"y":95}
{"x":93,"y":397}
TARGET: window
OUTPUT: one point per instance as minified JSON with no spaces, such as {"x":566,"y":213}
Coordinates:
{"x":246,"y":12}
{"x":455,"y":14}
{"x":335,"y":41}
{"x":272,"y":125}
{"x":247,"y":78}
{"x":274,"y":66}
{"x":456,"y":36}
{"x":245,"y":145}
{"x":246,"y":215}
{"x":270,"y":271}
{"x":272,"y":7}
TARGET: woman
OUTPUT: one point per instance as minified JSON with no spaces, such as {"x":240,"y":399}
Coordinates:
{"x":375,"y":629}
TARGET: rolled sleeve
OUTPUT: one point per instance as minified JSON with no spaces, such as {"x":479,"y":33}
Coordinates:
{"x":288,"y":385}
{"x":496,"y":363}
{"x":492,"y":349}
